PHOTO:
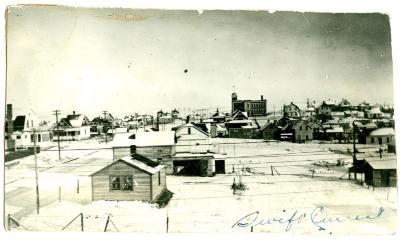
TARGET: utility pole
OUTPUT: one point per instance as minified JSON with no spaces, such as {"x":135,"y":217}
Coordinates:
{"x":105,"y":119}
{"x":36,"y":172}
{"x":354,"y":152}
{"x":57,"y":112}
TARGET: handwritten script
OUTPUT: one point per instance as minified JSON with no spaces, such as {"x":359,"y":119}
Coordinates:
{"x":319,"y":217}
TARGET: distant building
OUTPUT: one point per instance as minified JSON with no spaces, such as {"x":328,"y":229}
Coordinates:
{"x":218,"y":117}
{"x":73,"y":127}
{"x":241,"y":126}
{"x":326,"y":108}
{"x":157,"y":146}
{"x":374,"y":113}
{"x":292,"y":110}
{"x":252,"y":107}
{"x":19,"y":133}
{"x":175,"y":114}
{"x":195,"y":154}
{"x":381,"y":136}
{"x":130,"y":178}
{"x":269,"y":131}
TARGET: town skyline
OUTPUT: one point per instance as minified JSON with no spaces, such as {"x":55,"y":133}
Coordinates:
{"x":103,"y":55}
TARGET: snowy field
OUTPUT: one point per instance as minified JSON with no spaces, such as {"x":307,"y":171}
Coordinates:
{"x":206,"y":204}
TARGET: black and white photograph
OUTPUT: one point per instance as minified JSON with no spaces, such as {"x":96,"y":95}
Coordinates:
{"x":152,"y":120}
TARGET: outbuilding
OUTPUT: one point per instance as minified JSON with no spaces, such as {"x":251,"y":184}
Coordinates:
{"x":130,"y":178}
{"x":381,"y":172}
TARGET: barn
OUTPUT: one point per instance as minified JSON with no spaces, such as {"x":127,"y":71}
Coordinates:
{"x":130,"y":178}
{"x":381,"y":172}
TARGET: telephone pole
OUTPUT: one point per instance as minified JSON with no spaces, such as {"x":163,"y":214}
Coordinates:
{"x":105,"y":119}
{"x":36,"y":172}
{"x":56,"y":113}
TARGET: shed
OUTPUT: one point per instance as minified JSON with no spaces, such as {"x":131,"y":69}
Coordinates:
{"x":130,"y":178}
{"x":381,"y":172}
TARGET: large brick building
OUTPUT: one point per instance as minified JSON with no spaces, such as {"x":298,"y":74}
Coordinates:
{"x":252,"y":107}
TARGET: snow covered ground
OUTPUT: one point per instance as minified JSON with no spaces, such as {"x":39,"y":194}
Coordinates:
{"x":207,"y":204}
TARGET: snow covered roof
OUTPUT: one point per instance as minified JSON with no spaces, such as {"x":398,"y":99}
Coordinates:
{"x":165,"y":138}
{"x":240,"y":121}
{"x":382,"y":164}
{"x":375,"y":110}
{"x":335,"y":130}
{"x":139,"y":163}
{"x":387,"y":131}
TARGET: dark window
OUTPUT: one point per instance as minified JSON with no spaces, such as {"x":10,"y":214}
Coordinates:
{"x":18,"y":137}
{"x":127,"y":183}
{"x":159,"y":178}
{"x":189,"y":130}
{"x":301,"y":128}
{"x":123,"y":183}
{"x":372,"y":140}
{"x":115,"y":183}
{"x":387,"y":140}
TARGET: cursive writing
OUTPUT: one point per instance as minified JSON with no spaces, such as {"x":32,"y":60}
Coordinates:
{"x":318,"y":217}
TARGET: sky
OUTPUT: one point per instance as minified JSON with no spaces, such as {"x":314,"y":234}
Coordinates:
{"x":126,"y":61}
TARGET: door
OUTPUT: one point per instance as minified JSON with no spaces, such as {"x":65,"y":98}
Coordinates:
{"x":380,"y":141}
{"x":220,"y":166}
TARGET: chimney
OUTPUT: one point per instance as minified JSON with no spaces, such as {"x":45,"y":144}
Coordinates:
{"x":73,"y":112}
{"x":262,"y":97}
{"x":187,"y":119}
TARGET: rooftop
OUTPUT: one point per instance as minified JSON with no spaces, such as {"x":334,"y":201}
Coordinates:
{"x":164,"y":138}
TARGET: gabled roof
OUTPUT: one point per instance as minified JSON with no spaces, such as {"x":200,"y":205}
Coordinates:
{"x":138,"y":162}
{"x":195,"y":126}
{"x":267,"y":125}
{"x":74,"y":120}
{"x":238,"y":113}
{"x":382,"y":164}
{"x":19,"y":123}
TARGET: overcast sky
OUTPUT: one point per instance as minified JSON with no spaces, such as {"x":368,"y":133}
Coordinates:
{"x":127,"y":61}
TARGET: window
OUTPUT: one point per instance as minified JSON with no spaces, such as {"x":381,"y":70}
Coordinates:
{"x":301,"y":128}
{"x":159,"y":178}
{"x":189,"y":130}
{"x":121,"y":183}
{"x":372,"y":140}
{"x":299,"y":137}
{"x":387,"y":140}
{"x":18,"y":137}
{"x":306,"y":137}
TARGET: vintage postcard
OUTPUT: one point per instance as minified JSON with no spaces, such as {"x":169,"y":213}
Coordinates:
{"x":175,"y":121}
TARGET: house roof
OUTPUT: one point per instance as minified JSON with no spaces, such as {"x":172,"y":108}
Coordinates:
{"x":387,"y":131}
{"x":202,"y":128}
{"x":139,"y":162}
{"x":375,"y":110}
{"x":382,"y":164}
{"x":19,"y":123}
{"x":335,"y":130}
{"x":165,"y":138}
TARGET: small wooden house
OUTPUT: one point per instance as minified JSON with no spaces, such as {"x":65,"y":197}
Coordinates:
{"x":130,"y":178}
{"x":381,"y":172}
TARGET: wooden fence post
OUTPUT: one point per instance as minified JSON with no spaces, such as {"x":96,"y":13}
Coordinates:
{"x":59,"y":194}
{"x":77,"y":187}
{"x":108,"y":220}
{"x":167,"y":223}
{"x":82,"y":221}
{"x":272,"y":170}
{"x":251,"y":229}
